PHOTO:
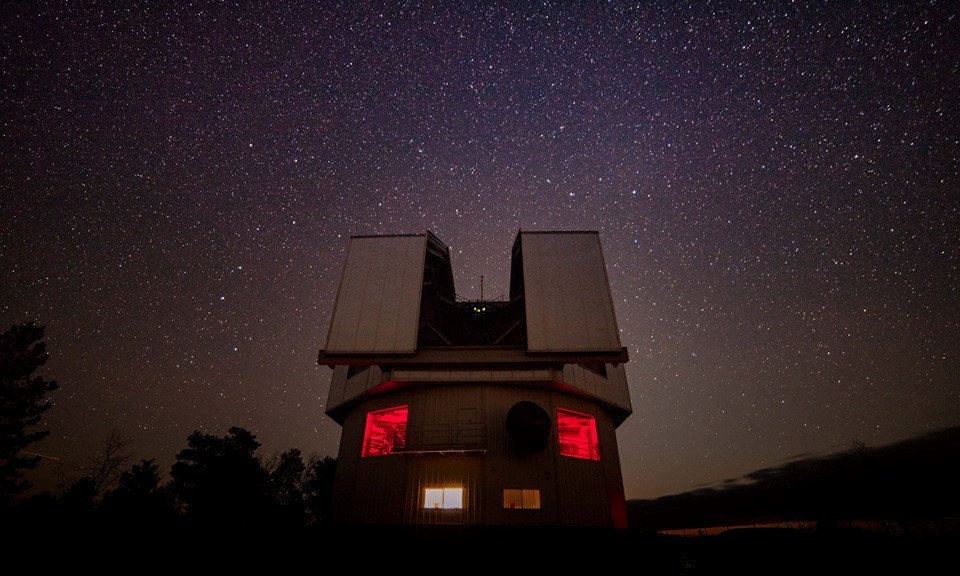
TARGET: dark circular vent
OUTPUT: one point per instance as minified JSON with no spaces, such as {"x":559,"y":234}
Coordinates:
{"x":529,"y":426}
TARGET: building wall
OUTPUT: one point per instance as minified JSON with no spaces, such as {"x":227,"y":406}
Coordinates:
{"x":612,"y":388}
{"x":389,"y":489}
{"x":367,"y":490}
{"x":378,"y":300}
{"x":567,"y":299}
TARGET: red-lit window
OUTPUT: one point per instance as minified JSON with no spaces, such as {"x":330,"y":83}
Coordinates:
{"x":577,"y":434}
{"x":386,"y":431}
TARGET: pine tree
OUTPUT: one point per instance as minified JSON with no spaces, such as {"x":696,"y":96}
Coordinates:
{"x":23,"y":400}
{"x":220,"y":481}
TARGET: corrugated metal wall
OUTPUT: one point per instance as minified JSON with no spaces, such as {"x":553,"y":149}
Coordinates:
{"x":612,"y":388}
{"x":378,"y":301}
{"x":510,"y":468}
{"x":588,"y":482}
{"x":344,"y":388}
{"x":449,"y":471}
{"x":400,"y":374}
{"x":390,"y":489}
{"x":566,"y":293}
{"x":368,"y":490}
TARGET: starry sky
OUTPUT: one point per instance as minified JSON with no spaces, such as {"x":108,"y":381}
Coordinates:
{"x":776,"y":184}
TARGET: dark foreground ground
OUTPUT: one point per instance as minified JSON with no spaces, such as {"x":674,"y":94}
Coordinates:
{"x":468,"y":550}
{"x":747,"y":551}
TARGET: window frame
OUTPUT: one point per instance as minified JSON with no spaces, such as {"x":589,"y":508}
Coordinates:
{"x":443,"y":497}
{"x":531,"y":495}
{"x":366,"y":449}
{"x":593,"y":441}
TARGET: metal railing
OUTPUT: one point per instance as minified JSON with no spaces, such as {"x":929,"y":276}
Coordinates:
{"x":443,"y":438}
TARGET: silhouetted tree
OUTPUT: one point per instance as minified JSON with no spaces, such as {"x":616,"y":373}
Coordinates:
{"x":105,"y":468}
{"x":318,"y":488}
{"x":287,"y":478}
{"x":23,"y":400}
{"x":101,"y":471}
{"x":138,"y":498}
{"x":76,"y":504}
{"x":142,"y":478}
{"x":220,"y":481}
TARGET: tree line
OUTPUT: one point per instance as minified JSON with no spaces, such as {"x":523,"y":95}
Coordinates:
{"x":216,"y":481}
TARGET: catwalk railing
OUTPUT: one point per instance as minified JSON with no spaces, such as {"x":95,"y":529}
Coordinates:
{"x":459,"y":438}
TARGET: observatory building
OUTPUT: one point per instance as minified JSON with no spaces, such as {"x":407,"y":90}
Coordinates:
{"x":495,"y":412}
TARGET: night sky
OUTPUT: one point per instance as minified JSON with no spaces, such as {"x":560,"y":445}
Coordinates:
{"x":776,"y":185}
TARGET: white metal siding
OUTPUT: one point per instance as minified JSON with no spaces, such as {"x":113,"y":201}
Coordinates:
{"x":343,"y":389}
{"x":566,"y":294}
{"x":617,"y":391}
{"x":509,"y":469}
{"x":338,"y":382}
{"x":378,"y":302}
{"x":612,"y":388}
{"x":367,"y":490}
{"x":583,"y":486}
{"x":389,"y":489}
{"x":402,"y":375}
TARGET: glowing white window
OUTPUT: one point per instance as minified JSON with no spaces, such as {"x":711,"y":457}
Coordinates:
{"x":443,"y":498}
